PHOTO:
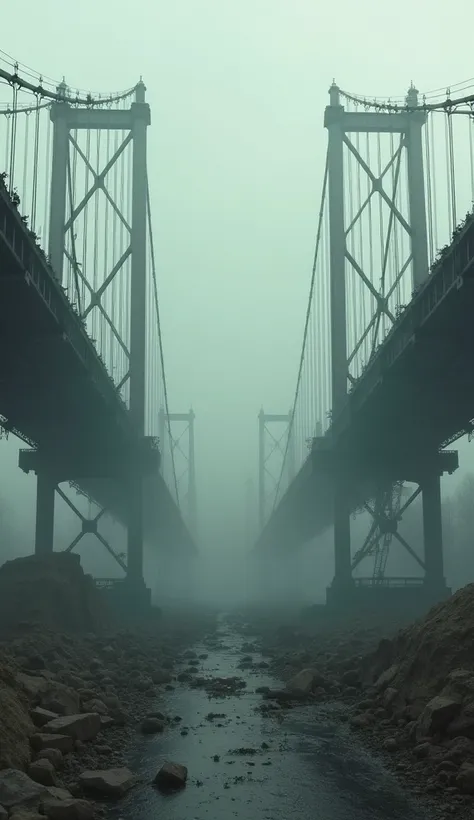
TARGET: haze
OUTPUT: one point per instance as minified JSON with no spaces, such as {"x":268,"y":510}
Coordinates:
{"x":237,"y":90}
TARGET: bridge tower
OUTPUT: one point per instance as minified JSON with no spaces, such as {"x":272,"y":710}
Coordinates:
{"x":130,"y":125}
{"x":166,"y":423}
{"x":341,"y":125}
{"x":283,"y":443}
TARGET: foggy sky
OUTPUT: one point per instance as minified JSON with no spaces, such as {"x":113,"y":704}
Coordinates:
{"x":237,"y":90}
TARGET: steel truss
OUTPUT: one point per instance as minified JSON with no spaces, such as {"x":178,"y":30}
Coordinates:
{"x":278,"y":444}
{"x":181,"y":442}
{"x":386,"y":512}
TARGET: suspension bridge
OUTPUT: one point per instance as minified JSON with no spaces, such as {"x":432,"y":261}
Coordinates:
{"x":384,"y":385}
{"x":82,"y":371}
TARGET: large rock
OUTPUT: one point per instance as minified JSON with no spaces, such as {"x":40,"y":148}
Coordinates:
{"x":53,"y":755}
{"x":437,"y":715}
{"x":41,"y":717}
{"x":42,"y":771}
{"x":3,"y":813}
{"x":64,"y":743}
{"x":304,"y":682}
{"x":17,"y":789}
{"x":171,"y":776}
{"x":33,"y":685}
{"x":80,"y":727}
{"x":61,"y":699}
{"x":71,"y":809}
{"x":109,"y":782}
{"x":152,"y":726}
{"x":387,"y":677}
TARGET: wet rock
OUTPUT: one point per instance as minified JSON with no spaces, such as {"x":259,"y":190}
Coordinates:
{"x":41,"y":716}
{"x":171,"y":776}
{"x":160,"y":677}
{"x":437,"y":715}
{"x":390,"y":696}
{"x":3,"y":813}
{"x":362,"y":721}
{"x":70,"y":809}
{"x":109,"y":782}
{"x":49,"y":741}
{"x":17,"y":789}
{"x":304,"y":681}
{"x":190,"y":655}
{"x":80,"y":727}
{"x":152,"y":725}
{"x":53,"y":755}
{"x":42,"y":771}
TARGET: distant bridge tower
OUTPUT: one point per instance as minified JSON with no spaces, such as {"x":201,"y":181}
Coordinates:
{"x":268,"y":446}
{"x":345,"y":128}
{"x":181,"y":444}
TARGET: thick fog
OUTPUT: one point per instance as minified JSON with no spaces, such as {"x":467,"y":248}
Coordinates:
{"x":236,"y":155}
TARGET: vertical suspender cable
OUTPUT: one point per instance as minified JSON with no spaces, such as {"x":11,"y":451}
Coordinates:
{"x":308,"y":311}
{"x":26,"y":153}
{"x":452,"y":169}
{"x":34,"y":195}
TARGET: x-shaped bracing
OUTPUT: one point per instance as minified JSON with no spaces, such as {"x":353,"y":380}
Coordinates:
{"x":98,"y":184}
{"x":381,"y":297}
{"x":89,"y":526}
{"x":385,"y":522}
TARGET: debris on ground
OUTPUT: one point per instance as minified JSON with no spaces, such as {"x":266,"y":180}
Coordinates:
{"x":171,"y":776}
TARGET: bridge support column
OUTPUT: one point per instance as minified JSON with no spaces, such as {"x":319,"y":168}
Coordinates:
{"x":433,"y":532}
{"x":138,"y":295}
{"x":44,"y":534}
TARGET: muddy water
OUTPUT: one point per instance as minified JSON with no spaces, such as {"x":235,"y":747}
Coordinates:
{"x":306,"y":766}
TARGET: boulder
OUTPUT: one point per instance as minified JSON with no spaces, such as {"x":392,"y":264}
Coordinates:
{"x":96,"y":705}
{"x":53,"y":755}
{"x":41,"y":716}
{"x":3,"y":813}
{"x":109,"y":782}
{"x":49,"y":741}
{"x":33,"y":685}
{"x":389,"y":697}
{"x":61,"y":699}
{"x":43,"y":771}
{"x":15,"y":722}
{"x":461,"y":726}
{"x":58,"y":793}
{"x":304,"y":682}
{"x":171,"y":776}
{"x":437,"y":715}
{"x":387,"y":677}
{"x":70,"y":809}
{"x":17,"y":789}
{"x":160,"y":676}
{"x":152,"y":726}
{"x":80,"y":727}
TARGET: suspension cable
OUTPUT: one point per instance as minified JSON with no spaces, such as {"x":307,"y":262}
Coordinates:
{"x":160,"y":338}
{"x":306,"y":325}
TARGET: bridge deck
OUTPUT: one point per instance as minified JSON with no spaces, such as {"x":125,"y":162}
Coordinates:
{"x":55,"y":391}
{"x":416,"y":395}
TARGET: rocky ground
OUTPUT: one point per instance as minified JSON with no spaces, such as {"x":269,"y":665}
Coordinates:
{"x":71,"y":701}
{"x":408,"y":693}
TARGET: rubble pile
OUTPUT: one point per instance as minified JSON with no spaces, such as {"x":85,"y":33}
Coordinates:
{"x":74,"y":691}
